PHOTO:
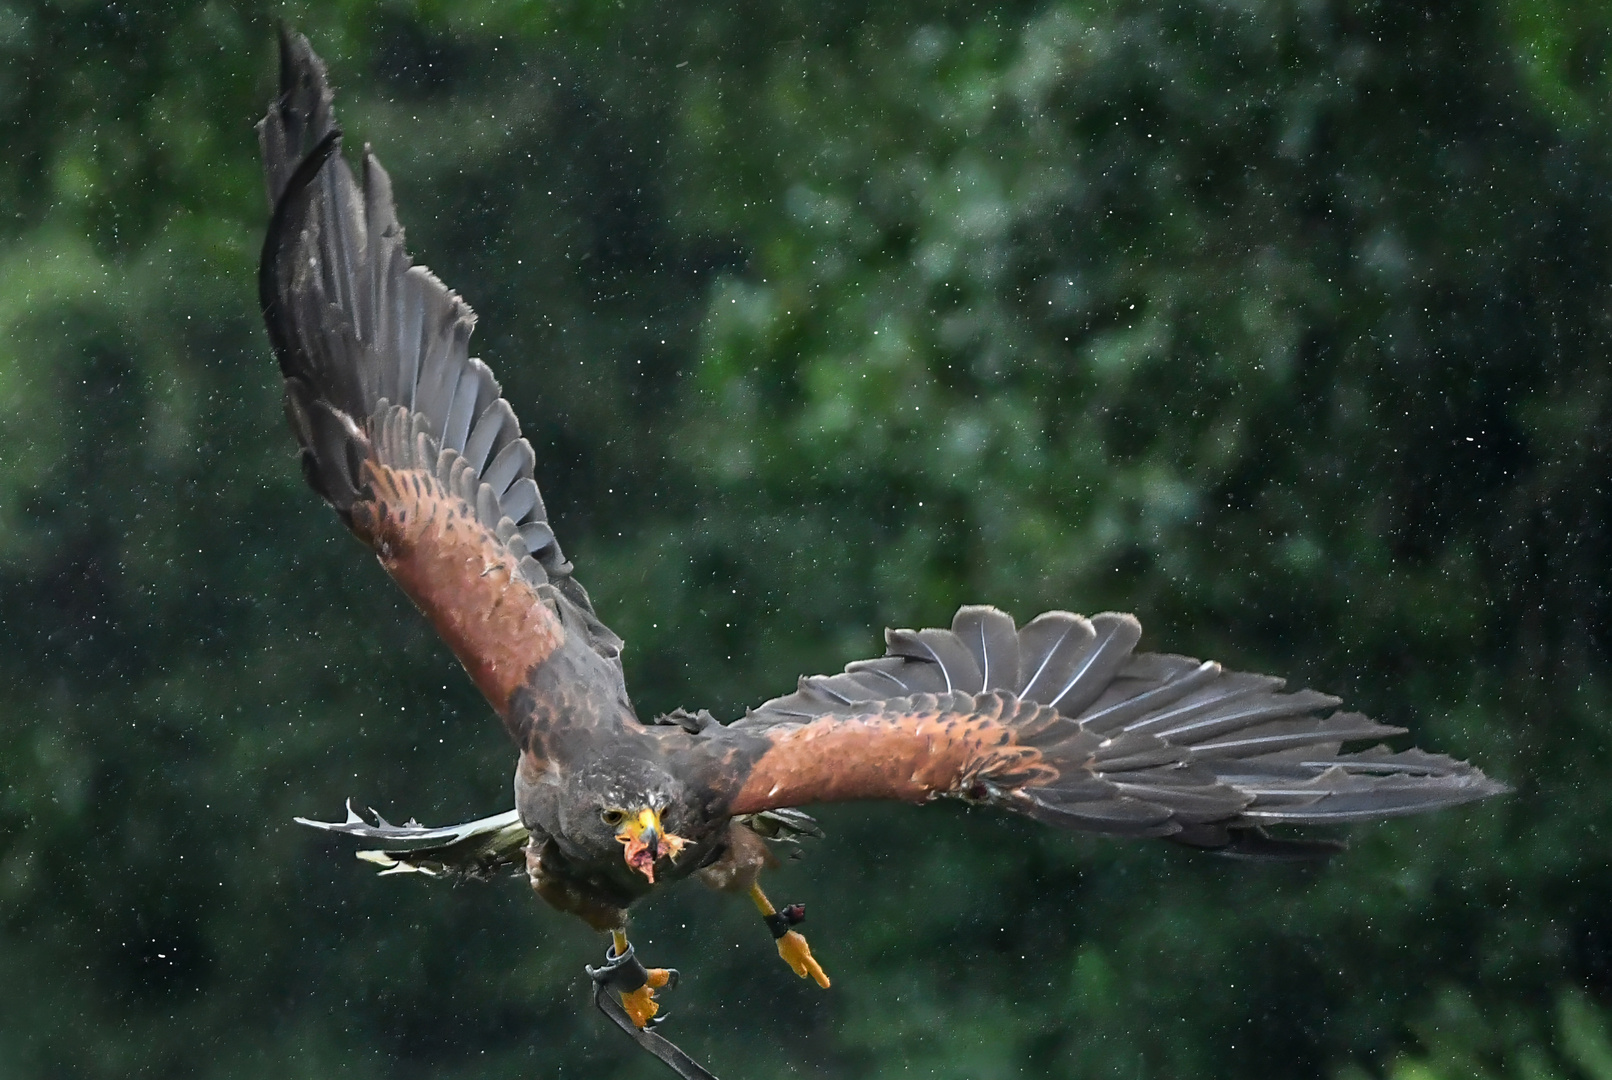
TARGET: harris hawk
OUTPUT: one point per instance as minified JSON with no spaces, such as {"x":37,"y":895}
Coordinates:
{"x":410,"y":441}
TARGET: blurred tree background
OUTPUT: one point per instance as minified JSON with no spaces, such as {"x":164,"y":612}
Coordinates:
{"x":1282,"y":324}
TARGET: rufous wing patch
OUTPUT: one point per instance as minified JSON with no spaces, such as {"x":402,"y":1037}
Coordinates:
{"x":910,"y":750}
{"x":460,"y":575}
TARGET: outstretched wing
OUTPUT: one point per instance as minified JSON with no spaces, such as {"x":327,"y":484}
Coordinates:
{"x":1064,"y":721}
{"x":474,"y":849}
{"x":403,"y":432}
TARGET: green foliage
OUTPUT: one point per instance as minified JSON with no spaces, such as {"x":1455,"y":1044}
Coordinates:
{"x":1281,"y":324}
{"x":1563,"y":49}
{"x":1460,"y":1040}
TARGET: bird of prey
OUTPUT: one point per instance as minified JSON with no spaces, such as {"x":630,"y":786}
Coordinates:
{"x":410,"y":441}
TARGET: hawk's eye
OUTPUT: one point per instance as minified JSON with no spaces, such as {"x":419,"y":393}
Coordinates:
{"x":612,"y":817}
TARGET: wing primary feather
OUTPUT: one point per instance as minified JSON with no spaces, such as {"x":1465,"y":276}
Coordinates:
{"x":335,"y":267}
{"x":519,"y":500}
{"x":1116,"y":636}
{"x":910,"y":645}
{"x":991,"y":636}
{"x":1071,"y":633}
{"x":513,"y":460}
{"x":494,"y":421}
{"x":410,"y":338}
{"x":539,"y":537}
{"x":1215,"y":717}
{"x":823,"y":686}
{"x":878,"y":667}
{"x":293,"y":205}
{"x":456,"y":427}
{"x":1119,"y":714}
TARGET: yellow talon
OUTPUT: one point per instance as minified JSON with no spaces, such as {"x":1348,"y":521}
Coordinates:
{"x":640,"y":1003}
{"x":791,"y":946}
{"x":798,"y":955}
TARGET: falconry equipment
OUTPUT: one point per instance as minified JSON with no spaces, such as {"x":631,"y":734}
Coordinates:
{"x":410,"y":441}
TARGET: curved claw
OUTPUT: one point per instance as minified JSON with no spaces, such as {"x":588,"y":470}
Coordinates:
{"x":624,"y":973}
{"x":641,"y":1005}
{"x":798,"y":955}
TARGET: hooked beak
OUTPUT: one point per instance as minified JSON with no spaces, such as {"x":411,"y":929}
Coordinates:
{"x":645,"y":841}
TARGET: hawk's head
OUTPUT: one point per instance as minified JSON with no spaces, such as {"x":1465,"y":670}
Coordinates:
{"x":626,"y":809}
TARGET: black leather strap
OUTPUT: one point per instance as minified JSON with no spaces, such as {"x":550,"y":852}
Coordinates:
{"x":624,"y":974}
{"x":781,"y":922}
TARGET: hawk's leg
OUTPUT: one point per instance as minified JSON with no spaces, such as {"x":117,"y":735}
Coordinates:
{"x":791,"y":945}
{"x":625,"y":973}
